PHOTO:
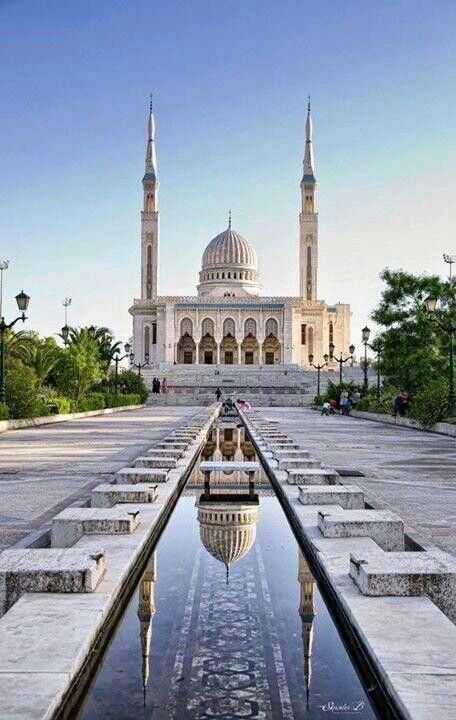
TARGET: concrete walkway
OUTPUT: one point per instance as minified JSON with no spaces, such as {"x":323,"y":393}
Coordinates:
{"x":408,"y":471}
{"x":44,"y":469}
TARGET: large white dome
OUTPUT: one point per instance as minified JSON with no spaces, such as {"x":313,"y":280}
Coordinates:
{"x":229,"y":248}
{"x":229,"y":266}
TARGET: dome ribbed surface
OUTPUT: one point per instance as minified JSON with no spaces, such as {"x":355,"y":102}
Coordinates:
{"x":229,"y":248}
{"x":227,"y":532}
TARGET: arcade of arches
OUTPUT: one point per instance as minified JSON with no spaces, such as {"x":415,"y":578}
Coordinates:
{"x":233,"y":348}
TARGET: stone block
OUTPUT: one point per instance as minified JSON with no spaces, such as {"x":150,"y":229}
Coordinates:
{"x":141,"y":475}
{"x":281,"y":444}
{"x":291,"y":453}
{"x":165,"y":452}
{"x":312,"y":476}
{"x":110,"y":495}
{"x":349,"y":497}
{"x":173,"y":444}
{"x":407,"y":574}
{"x":382,"y":526}
{"x":48,"y":570}
{"x":156,"y":461}
{"x":71,"y":524}
{"x":288,"y":463}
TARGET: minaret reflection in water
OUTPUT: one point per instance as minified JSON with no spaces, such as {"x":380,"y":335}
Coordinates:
{"x":307,"y":613}
{"x":146,"y":611}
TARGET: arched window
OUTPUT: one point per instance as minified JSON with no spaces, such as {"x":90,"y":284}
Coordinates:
{"x":331,"y":332}
{"x":272,"y":327}
{"x":218,"y":276}
{"x":229,"y":327}
{"x":207,"y":327}
{"x":250,"y":327}
{"x":146,"y":348}
{"x":149,"y":272}
{"x":310,"y":336}
{"x":235,"y":276}
{"x":186,"y":327}
{"x":229,"y":276}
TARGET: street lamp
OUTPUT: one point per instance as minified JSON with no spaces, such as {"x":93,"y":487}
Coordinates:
{"x":117,"y":359}
{"x":22,"y":300}
{"x":449,"y":328}
{"x":365,"y":336}
{"x":139,"y":365}
{"x":341,"y":360}
{"x":65,"y":333}
{"x":318,"y":368}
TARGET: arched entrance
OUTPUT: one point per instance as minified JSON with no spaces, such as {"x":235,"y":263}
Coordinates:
{"x":271,"y":350}
{"x":208,"y":350}
{"x":250,"y":350}
{"x":229,"y":350}
{"x":186,"y":350}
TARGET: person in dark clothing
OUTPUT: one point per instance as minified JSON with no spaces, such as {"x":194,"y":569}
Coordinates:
{"x":401,"y":403}
{"x":218,"y":394}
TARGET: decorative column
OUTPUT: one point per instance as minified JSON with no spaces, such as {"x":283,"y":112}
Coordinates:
{"x":239,"y":353}
{"x":197,"y":346}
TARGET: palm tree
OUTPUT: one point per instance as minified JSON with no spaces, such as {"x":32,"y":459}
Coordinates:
{"x":43,"y":358}
{"x":18,"y":344}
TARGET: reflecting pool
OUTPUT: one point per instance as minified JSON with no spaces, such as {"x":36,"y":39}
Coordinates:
{"x":227,"y":621}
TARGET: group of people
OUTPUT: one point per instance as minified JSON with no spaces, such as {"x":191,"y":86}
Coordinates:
{"x":346,"y":402}
{"x":159,"y":387}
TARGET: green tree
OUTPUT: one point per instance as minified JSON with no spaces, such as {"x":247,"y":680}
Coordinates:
{"x":21,"y":390}
{"x":414,"y":353}
{"x":79,"y":366}
{"x":43,"y":357}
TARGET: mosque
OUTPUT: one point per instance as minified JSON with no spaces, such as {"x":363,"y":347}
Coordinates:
{"x":229,"y":321}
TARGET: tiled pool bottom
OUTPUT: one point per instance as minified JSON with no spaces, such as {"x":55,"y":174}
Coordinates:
{"x":191,"y":646}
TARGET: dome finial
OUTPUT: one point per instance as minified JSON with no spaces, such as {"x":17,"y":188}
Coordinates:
{"x":308,"y":103}
{"x":229,"y":219}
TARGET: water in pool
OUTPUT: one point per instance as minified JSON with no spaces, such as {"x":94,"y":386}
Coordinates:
{"x":227,"y":621}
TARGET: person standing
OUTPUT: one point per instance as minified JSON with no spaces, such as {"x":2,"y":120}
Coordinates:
{"x":218,"y":394}
{"x":157,"y":385}
{"x":164,"y":386}
{"x":343,"y":401}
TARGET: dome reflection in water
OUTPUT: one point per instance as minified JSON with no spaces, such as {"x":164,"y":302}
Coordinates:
{"x":191,"y":646}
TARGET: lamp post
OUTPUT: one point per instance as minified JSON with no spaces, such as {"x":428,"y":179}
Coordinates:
{"x":449,"y":328}
{"x":22,"y":302}
{"x":318,"y":368}
{"x":379,"y":352}
{"x":365,"y":336}
{"x":65,"y":331}
{"x":117,"y":359}
{"x":139,"y":365}
{"x":341,"y":360}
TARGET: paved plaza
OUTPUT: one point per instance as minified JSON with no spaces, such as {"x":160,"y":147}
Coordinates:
{"x":44,"y":469}
{"x":408,"y":471}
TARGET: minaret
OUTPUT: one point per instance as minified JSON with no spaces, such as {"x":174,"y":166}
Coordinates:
{"x":307,"y":613}
{"x":149,"y":216}
{"x":308,"y":222}
{"x":146,"y":611}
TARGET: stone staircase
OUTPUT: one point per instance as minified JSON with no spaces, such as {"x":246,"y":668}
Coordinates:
{"x":261,"y":385}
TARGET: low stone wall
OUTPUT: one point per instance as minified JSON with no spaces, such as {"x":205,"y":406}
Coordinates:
{"x":6,"y":425}
{"x":441,"y":428}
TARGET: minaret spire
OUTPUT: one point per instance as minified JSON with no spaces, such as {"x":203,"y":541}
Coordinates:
{"x":308,"y":221}
{"x":308,"y":173}
{"x":151,"y":159}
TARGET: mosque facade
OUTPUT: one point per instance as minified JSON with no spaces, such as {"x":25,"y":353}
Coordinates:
{"x":229,"y":321}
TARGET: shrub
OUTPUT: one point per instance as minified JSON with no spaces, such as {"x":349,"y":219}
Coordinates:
{"x":4,"y":412}
{"x":21,"y":390}
{"x":93,"y":401}
{"x":430,"y":405}
{"x":131,"y":382}
{"x":112,"y":400}
{"x":333,"y":390}
{"x":319,"y":400}
{"x":59,"y":405}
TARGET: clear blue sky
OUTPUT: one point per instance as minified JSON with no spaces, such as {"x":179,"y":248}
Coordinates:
{"x":230,"y":82}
